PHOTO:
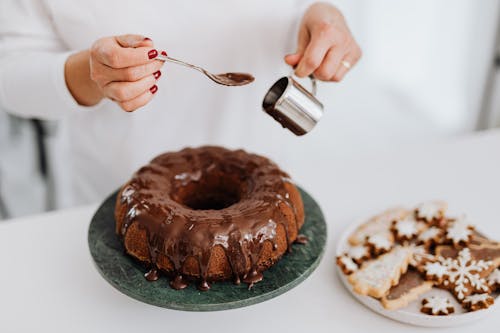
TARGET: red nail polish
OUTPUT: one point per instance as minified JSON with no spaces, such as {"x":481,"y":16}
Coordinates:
{"x":147,"y":39}
{"x":153,"y":89}
{"x":157,"y":74}
{"x":152,"y":54}
{"x":164,"y":53}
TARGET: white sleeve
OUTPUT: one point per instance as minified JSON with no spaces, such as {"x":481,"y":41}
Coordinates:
{"x":32,"y":59}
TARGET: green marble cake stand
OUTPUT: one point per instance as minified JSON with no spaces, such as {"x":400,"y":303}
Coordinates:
{"x":126,"y":275}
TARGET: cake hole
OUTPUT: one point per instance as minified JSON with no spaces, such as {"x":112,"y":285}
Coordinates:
{"x":210,"y":193}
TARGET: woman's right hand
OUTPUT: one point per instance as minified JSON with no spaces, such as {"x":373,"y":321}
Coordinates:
{"x":121,"y":68}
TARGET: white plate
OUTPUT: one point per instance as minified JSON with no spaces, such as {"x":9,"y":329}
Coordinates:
{"x":411,"y":314}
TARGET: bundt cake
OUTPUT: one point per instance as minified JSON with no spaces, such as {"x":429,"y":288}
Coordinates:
{"x":208,"y":214}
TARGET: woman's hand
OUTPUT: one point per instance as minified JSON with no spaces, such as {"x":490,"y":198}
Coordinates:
{"x":121,"y":68}
{"x":326,"y":47}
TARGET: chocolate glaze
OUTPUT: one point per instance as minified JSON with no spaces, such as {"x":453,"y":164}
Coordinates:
{"x":408,"y":281}
{"x":478,"y":253}
{"x":235,"y":79}
{"x":171,"y":199}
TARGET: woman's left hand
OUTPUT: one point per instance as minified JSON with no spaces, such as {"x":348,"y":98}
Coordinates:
{"x":326,"y":47}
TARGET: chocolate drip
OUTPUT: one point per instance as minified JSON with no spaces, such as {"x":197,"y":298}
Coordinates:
{"x":178,"y":283}
{"x":171,"y":199}
{"x":152,"y":274}
{"x":252,"y":278}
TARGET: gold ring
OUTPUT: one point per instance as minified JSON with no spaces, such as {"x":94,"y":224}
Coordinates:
{"x":346,"y":64}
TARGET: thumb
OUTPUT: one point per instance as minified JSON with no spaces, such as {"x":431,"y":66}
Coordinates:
{"x":303,"y":39}
{"x":133,"y":41}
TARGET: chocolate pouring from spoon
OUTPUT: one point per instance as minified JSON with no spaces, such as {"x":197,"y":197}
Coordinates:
{"x":226,"y":79}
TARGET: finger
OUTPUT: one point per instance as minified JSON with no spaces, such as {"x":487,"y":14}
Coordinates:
{"x":349,"y":60}
{"x":133,"y":40}
{"x":103,"y":74}
{"x":302,"y":41}
{"x":125,"y":91}
{"x":112,"y":54}
{"x":313,"y":55}
{"x":140,"y":100}
{"x":292,"y":59}
{"x":330,"y":63}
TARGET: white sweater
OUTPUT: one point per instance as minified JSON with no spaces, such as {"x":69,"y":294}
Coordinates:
{"x":99,"y":147}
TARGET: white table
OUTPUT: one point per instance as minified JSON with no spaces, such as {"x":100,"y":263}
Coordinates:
{"x":48,"y":281}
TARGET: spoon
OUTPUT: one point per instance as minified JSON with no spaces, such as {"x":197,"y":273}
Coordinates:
{"x":226,"y":79}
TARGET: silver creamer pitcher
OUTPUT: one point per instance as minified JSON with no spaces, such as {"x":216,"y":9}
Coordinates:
{"x":292,"y":105}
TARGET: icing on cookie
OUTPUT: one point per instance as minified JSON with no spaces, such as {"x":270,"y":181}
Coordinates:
{"x":405,"y":228}
{"x":346,"y":264}
{"x":418,"y":253}
{"x":430,"y":210}
{"x":357,"y":253}
{"x":429,"y":234}
{"x":376,"y":277}
{"x":349,"y":263}
{"x":437,"y":305}
{"x":464,"y":275}
{"x":459,"y":231}
{"x":435,"y":270}
{"x":380,"y":242}
{"x":494,"y":278}
{"x":476,"y":298}
{"x":478,"y":301}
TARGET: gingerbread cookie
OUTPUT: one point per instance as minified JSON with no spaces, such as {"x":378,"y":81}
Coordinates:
{"x":377,"y":224}
{"x":379,"y":243}
{"x":459,"y":232}
{"x":431,"y":212}
{"x":377,"y":276}
{"x":404,"y":229}
{"x":465,"y":275}
{"x":346,"y":264}
{"x":477,"y":302}
{"x":410,"y":286}
{"x":437,"y":306}
{"x":359,"y":254}
{"x":494,"y":280}
{"x":434,"y":270}
{"x":431,"y":236}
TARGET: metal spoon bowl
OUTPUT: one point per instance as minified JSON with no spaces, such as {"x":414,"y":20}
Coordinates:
{"x":226,"y":79}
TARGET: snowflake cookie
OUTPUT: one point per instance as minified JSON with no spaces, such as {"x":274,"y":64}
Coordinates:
{"x":346,"y":264}
{"x":431,"y":212}
{"x":434,"y":270}
{"x":379,"y":243}
{"x":359,"y":254}
{"x":431,"y":236}
{"x":466,"y":275}
{"x":404,"y":229}
{"x":459,"y":232}
{"x":477,"y":302}
{"x":437,"y":306}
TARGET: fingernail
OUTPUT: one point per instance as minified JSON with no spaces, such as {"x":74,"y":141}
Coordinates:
{"x":157,"y":74}
{"x":153,"y":89}
{"x":152,"y":54}
{"x":147,"y":39}
{"x":164,"y":53}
